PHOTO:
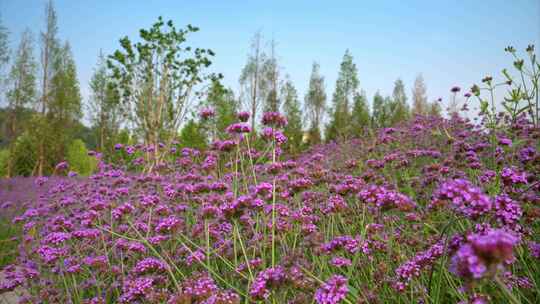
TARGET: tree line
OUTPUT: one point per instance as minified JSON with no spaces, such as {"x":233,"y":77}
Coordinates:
{"x":155,"y":90}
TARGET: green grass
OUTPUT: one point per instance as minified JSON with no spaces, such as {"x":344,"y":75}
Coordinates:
{"x":9,"y":235}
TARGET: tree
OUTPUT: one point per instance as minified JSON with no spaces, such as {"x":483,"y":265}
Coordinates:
{"x":157,"y":78}
{"x":22,"y":88}
{"x":225,"y":106}
{"x":4,"y":49}
{"x":434,"y":109}
{"x":420,"y":106}
{"x":346,"y":88}
{"x":381,"y":111}
{"x":315,"y":104}
{"x":251,"y":79}
{"x":291,"y":108}
{"x":22,"y":76}
{"x":24,"y":155}
{"x":64,"y":105}
{"x":4,"y":160}
{"x":78,"y":158}
{"x":360,"y":115}
{"x":399,"y":109}
{"x":104,"y":106}
{"x":193,"y":136}
{"x":271,"y":77}
{"x":49,"y":50}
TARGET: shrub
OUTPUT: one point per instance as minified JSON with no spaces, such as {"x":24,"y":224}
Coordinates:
{"x":78,"y":158}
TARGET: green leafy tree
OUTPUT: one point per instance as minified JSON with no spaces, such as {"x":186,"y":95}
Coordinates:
{"x":4,"y":52}
{"x":291,"y":108}
{"x":64,"y":106}
{"x":315,"y":104}
{"x":222,"y":100}
{"x":4,"y":160}
{"x":399,"y":109}
{"x":105,"y":109}
{"x":157,"y":78}
{"x":434,"y":109}
{"x":381,"y":111}
{"x":346,"y":88}
{"x":22,"y":89}
{"x":360,"y":119}
{"x":252,"y":84}
{"x":271,"y":77}
{"x":78,"y":158}
{"x":24,"y":155}
{"x":420,"y":103}
{"x":193,"y":135}
{"x":49,"y":44}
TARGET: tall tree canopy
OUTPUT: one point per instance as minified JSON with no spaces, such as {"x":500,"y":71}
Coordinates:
{"x":346,"y":88}
{"x":419,"y":93}
{"x":157,"y":78}
{"x":315,"y":104}
{"x":291,"y":108}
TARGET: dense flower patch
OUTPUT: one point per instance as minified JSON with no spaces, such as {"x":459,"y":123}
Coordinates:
{"x":434,"y":211}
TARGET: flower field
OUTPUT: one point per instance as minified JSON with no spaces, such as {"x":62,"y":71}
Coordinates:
{"x":433,"y":210}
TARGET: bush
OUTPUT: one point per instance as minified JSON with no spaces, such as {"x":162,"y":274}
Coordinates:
{"x":78,"y":158}
{"x":24,"y":155}
{"x":4,"y":159}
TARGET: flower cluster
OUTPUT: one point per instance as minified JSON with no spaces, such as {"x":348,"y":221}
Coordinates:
{"x":332,"y":291}
{"x":466,"y":198}
{"x":245,"y":220}
{"x":483,"y":253}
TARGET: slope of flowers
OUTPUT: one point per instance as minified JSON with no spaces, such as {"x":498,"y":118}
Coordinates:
{"x":435,"y":211}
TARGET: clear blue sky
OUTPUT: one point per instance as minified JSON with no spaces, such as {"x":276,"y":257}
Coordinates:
{"x":449,"y":42}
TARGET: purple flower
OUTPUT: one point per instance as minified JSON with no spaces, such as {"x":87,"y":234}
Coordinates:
{"x":265,"y":280}
{"x":511,"y":176}
{"x":534,"y":248}
{"x":168,"y":224}
{"x":340,"y":262}
{"x":412,"y":268}
{"x":466,"y":198}
{"x":62,"y":166}
{"x":243,"y":116}
{"x":483,"y":253}
{"x":274,"y":119}
{"x":207,"y":113}
{"x":507,"y":211}
{"x":149,"y":265}
{"x":238,"y":128}
{"x":332,"y":291}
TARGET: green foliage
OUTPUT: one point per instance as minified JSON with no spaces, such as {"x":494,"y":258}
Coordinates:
{"x":271,"y":77}
{"x":156,"y":78}
{"x":315,"y":104}
{"x":225,"y":106}
{"x":419,"y":96}
{"x":22,"y":76}
{"x":4,"y":159}
{"x":193,"y":135}
{"x":78,"y":158}
{"x":254,"y":88}
{"x":105,"y":109}
{"x":291,"y":108}
{"x":381,"y":111}
{"x":524,"y":90}
{"x":4,"y":45}
{"x":346,"y":88}
{"x":434,"y":109}
{"x":399,"y":109}
{"x":24,"y":155}
{"x":360,"y":115}
{"x":65,"y":97}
